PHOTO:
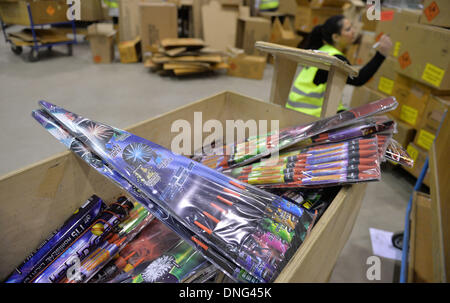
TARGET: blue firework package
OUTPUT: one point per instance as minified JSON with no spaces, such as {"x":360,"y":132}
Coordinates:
{"x":51,"y":248}
{"x":234,"y":225}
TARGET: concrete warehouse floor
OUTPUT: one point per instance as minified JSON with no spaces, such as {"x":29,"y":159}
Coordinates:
{"x":122,"y":95}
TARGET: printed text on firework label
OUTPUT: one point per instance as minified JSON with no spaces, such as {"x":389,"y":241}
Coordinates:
{"x":409,"y":114}
{"x":227,"y":292}
{"x":433,"y":74}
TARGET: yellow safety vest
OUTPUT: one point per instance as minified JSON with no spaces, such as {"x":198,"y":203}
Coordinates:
{"x":268,"y":4}
{"x":111,"y":3}
{"x":305,"y":96}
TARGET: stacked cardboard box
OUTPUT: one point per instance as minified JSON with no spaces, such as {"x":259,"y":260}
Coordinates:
{"x":250,"y":30}
{"x":158,"y":21}
{"x":395,"y":25}
{"x":185,"y":56}
{"x":101,"y":39}
{"x":245,"y":66}
{"x":308,"y":16}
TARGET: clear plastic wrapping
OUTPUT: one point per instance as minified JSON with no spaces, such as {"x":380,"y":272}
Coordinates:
{"x":238,"y":154}
{"x":138,"y":218}
{"x":238,"y":227}
{"x":156,"y":255}
{"x":397,"y":154}
{"x":345,"y":162}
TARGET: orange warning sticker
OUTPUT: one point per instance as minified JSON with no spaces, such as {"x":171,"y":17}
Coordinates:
{"x":50,"y":10}
{"x":404,"y":60}
{"x":97,"y":59}
{"x":431,"y":11}
{"x":387,"y":15}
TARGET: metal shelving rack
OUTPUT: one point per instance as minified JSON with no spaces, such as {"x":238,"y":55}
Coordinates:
{"x":35,"y":45}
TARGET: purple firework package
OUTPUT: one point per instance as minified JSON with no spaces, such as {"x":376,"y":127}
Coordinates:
{"x":49,"y":250}
{"x":223,"y":213}
{"x":68,"y":262}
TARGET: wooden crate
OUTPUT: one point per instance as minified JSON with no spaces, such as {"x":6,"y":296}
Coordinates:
{"x":37,"y":199}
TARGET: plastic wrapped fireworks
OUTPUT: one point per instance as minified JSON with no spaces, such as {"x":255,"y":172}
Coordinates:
{"x":397,"y":154}
{"x":238,"y":227}
{"x":352,"y":161}
{"x":49,"y":250}
{"x":156,"y":255}
{"x":139,"y":217}
{"x":237,"y":154}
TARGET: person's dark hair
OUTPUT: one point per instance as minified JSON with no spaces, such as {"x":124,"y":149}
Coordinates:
{"x":323,"y":32}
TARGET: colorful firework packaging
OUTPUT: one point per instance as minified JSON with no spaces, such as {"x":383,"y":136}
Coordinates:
{"x":69,"y":261}
{"x":100,"y":166}
{"x":238,"y":154}
{"x":139,"y":217}
{"x":228,"y":218}
{"x":351,"y":161}
{"x":397,"y":154}
{"x":151,"y":243}
{"x":173,"y":266}
{"x":59,"y":240}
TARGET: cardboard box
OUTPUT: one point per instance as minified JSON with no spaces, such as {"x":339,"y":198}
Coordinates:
{"x":420,"y":263}
{"x":219,"y":25}
{"x":424,"y":55}
{"x":91,"y":10}
{"x":396,"y":25}
{"x":363,"y":95}
{"x":425,"y":137}
{"x":327,"y":3}
{"x":101,"y":40}
{"x":284,"y":34}
{"x":247,"y":66}
{"x":130,"y":51}
{"x":405,"y":133}
{"x":46,"y":193}
{"x":366,"y":51}
{"x":306,"y":17}
{"x":368,"y":25}
{"x":412,"y":97}
{"x":436,"y":12}
{"x":384,"y":78}
{"x":250,"y":30}
{"x":43,"y":11}
{"x":419,"y":156}
{"x":158,"y":21}
{"x":436,"y":107}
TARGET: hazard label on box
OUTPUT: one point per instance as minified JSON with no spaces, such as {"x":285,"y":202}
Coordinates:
{"x":431,"y":11}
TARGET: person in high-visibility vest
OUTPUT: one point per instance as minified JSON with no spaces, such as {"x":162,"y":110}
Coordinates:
{"x":113,"y":7}
{"x":268,"y":5}
{"x":333,"y":37}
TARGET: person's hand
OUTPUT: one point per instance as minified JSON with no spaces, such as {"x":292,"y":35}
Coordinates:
{"x":385,"y":45}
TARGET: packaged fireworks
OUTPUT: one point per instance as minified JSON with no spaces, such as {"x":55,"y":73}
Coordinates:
{"x":174,"y":266}
{"x":396,"y":153}
{"x":351,"y":161}
{"x":59,"y":240}
{"x":152,"y":242}
{"x":237,"y":154}
{"x":100,"y":166}
{"x":231,"y":222}
{"x":67,"y":264}
{"x":139,"y":217}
